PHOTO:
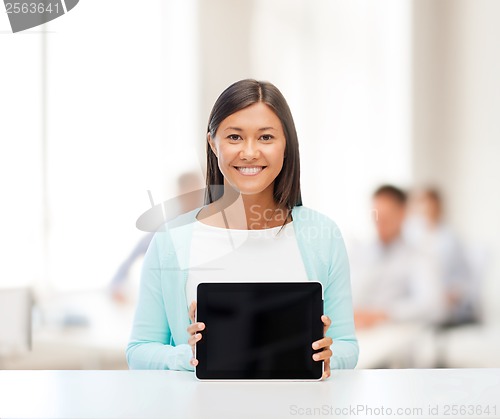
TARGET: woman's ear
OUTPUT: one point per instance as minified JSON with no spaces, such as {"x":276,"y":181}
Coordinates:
{"x":212,"y":144}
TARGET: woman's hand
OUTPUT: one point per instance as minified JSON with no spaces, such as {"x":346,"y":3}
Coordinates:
{"x":193,"y":330}
{"x":324,"y":344}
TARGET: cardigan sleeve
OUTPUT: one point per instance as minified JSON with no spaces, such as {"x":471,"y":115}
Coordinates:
{"x":149,"y":344}
{"x":338,"y":305}
{"x":325,"y":258}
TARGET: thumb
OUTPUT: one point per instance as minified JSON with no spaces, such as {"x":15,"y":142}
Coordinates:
{"x":326,"y":323}
{"x":192,"y":311}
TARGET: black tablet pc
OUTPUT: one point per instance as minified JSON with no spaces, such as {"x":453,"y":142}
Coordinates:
{"x":259,"y":330}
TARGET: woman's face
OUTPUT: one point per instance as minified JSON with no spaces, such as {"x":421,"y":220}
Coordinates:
{"x":250,"y":148}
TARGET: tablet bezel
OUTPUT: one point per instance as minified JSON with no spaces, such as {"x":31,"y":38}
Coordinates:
{"x":316,"y":290}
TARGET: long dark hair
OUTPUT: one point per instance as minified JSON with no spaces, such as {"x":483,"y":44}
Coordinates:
{"x":236,"y":97}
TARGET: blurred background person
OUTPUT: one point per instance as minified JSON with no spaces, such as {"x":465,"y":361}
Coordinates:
{"x":392,"y":280}
{"x":427,"y":229}
{"x":190,"y":192}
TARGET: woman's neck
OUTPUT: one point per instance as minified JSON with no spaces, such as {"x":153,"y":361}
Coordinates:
{"x":252,"y":212}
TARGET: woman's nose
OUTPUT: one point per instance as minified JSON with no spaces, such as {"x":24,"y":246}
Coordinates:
{"x":250,"y":149}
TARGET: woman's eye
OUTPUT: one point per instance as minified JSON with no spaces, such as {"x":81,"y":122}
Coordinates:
{"x":234,"y":137}
{"x":267,"y":137}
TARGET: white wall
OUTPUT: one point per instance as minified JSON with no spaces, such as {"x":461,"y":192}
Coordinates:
{"x":97,"y":107}
{"x":21,"y":132}
{"x":456,"y":126}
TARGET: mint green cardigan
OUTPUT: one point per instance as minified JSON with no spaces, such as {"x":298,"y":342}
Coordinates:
{"x":159,"y":337}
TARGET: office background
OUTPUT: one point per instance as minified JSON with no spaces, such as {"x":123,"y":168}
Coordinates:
{"x":111,"y":100}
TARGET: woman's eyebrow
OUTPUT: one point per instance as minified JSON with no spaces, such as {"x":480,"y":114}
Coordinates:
{"x":240,"y":129}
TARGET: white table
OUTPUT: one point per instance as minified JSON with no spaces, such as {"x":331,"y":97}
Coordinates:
{"x":169,"y":394}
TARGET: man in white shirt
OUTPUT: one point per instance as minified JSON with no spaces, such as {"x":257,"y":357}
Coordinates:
{"x":391,"y":280}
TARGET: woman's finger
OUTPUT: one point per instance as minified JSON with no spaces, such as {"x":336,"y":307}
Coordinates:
{"x":195,"y":327}
{"x":322,"y":343}
{"x":193,"y":339}
{"x":327,"y":322}
{"x":323,"y":355}
{"x":326,"y":369}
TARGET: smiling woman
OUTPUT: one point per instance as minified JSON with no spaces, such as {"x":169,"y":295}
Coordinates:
{"x":249,"y":146}
{"x":250,"y":150}
{"x":250,"y":105}
{"x":253,"y":151}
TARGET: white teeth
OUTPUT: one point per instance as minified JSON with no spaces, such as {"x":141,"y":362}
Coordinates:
{"x":249,"y":170}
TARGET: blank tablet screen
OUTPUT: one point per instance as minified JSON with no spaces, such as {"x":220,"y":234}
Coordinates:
{"x":259,"y":330}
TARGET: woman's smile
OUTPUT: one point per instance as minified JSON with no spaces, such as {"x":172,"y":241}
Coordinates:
{"x":249,"y":170}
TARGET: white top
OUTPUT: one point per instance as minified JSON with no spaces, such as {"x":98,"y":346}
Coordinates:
{"x":229,"y":255}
